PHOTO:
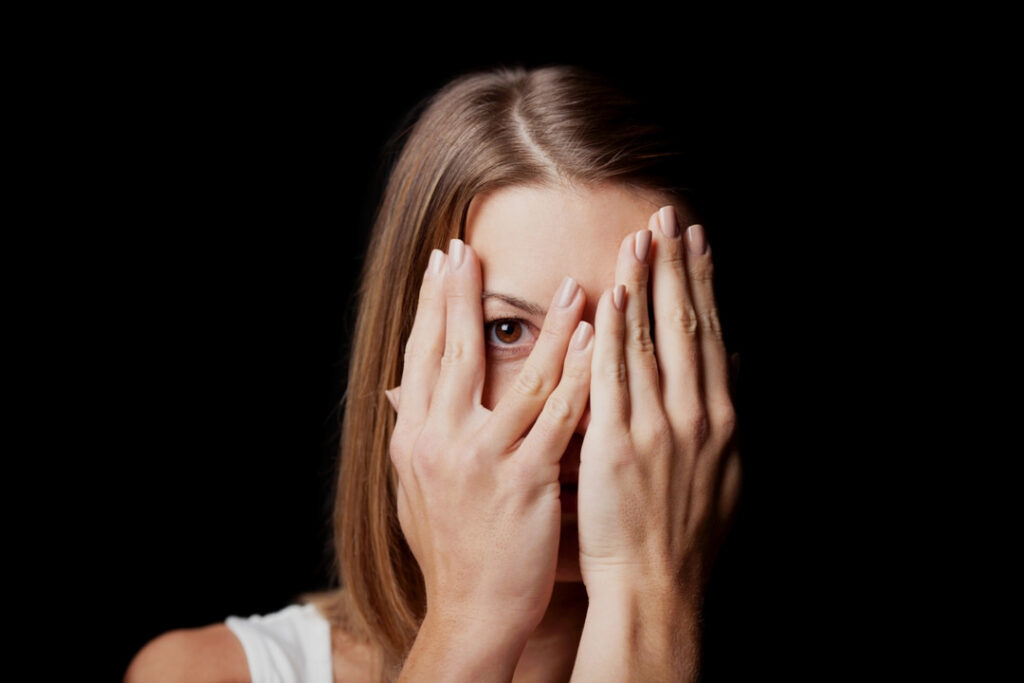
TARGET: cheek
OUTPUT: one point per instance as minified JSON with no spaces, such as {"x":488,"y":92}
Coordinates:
{"x":500,"y":376}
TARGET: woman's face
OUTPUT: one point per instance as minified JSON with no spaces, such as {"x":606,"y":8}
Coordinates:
{"x":528,"y":239}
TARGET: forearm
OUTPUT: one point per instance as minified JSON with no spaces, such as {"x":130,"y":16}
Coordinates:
{"x":452,"y":651}
{"x":632,"y":636}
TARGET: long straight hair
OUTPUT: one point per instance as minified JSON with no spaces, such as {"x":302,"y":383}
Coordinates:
{"x":482,"y":131}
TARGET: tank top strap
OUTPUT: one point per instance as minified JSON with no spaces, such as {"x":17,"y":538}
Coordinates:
{"x":292,"y":645}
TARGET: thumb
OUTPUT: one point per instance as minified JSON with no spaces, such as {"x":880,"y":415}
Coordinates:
{"x":393,"y":396}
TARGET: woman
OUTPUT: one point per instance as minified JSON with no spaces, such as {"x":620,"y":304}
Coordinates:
{"x":537,"y":458}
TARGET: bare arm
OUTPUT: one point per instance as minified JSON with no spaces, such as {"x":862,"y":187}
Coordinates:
{"x":659,"y":465}
{"x":631,"y":635}
{"x":212,"y":654}
{"x":458,"y":649}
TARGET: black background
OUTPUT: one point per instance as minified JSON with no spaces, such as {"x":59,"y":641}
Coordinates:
{"x":225,"y":183}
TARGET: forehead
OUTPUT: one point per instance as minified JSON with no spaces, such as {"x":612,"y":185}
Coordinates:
{"x":529,"y":238}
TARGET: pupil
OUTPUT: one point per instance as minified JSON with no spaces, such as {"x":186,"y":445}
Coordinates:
{"x":508,"y":331}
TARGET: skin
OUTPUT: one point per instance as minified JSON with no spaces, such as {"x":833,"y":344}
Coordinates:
{"x":575,"y":384}
{"x":529,"y":591}
{"x":528,"y":240}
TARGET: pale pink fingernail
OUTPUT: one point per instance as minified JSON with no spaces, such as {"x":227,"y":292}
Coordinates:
{"x":567,"y":292}
{"x":642,"y":245}
{"x":436,"y":261}
{"x":456,"y":253}
{"x":695,"y":240}
{"x":584,"y":331}
{"x":667,"y":220}
{"x":619,"y":297}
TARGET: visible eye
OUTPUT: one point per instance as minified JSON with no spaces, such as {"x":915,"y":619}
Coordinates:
{"x":507,"y":334}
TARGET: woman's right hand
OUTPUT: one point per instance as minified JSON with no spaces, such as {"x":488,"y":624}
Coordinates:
{"x":478,"y":495}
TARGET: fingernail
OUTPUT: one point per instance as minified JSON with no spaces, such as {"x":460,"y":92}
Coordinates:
{"x":695,"y":239}
{"x":567,"y":292}
{"x":456,"y":253}
{"x":619,"y":297}
{"x":436,"y":262}
{"x":580,"y":339}
{"x":642,"y":245}
{"x":390,"y":393}
{"x":667,"y":220}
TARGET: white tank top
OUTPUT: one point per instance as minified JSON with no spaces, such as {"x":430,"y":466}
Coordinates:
{"x":289,"y":646}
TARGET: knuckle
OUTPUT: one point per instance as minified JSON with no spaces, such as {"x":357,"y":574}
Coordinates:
{"x":615,"y":372}
{"x":697,"y":426}
{"x":454,"y":351}
{"x":684,"y":317}
{"x":640,"y":339}
{"x":456,"y":292}
{"x":426,"y":297}
{"x":575,"y":373}
{"x":426,"y":461}
{"x":711,"y":323}
{"x":558,"y":409}
{"x":623,"y":457}
{"x":469,"y":458}
{"x":656,"y":433}
{"x":675,"y":260}
{"x":703,"y":272}
{"x":674,"y":255}
{"x":725,"y":419}
{"x":529,"y":382}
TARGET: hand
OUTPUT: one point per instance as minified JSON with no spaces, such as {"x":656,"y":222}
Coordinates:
{"x":659,"y":471}
{"x":478,"y":496}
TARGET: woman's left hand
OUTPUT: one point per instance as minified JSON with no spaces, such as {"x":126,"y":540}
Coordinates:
{"x":659,"y":469}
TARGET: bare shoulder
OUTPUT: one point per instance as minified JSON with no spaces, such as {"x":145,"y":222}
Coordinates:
{"x":210,"y":654}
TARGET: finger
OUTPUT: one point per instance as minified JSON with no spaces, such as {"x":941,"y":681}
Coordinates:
{"x":712,"y":345}
{"x":550,"y":434}
{"x":393,"y":396}
{"x":460,"y":382}
{"x":675,"y":332}
{"x":609,"y":389}
{"x":518,"y":408}
{"x":732,"y":478}
{"x":718,"y":508}
{"x":426,"y":343}
{"x":641,"y":364}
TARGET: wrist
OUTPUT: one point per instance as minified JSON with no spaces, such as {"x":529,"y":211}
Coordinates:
{"x":640,"y":631}
{"x":464,"y":647}
{"x":647,"y":587}
{"x":662,"y":616}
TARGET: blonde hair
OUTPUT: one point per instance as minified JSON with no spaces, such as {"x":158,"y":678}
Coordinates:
{"x":482,"y":131}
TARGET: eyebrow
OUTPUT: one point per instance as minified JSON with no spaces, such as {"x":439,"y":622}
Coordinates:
{"x":521,"y":304}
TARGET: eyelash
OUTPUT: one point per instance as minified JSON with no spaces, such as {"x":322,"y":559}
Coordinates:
{"x":499,"y":347}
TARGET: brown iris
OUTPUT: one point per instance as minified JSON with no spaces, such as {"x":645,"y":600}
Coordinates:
{"x":508,"y":331}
